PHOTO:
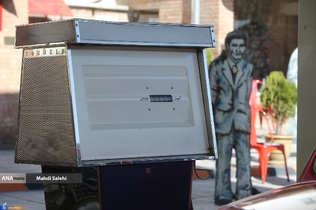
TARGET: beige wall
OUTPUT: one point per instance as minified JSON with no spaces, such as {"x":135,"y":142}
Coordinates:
{"x":97,"y":14}
{"x":15,"y":12}
{"x":11,"y":60}
{"x":167,"y":13}
{"x":215,"y":12}
{"x":212,"y":12}
{"x":171,"y":11}
{"x":306,"y":82}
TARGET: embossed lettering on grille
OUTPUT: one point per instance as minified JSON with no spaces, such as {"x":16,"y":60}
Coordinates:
{"x":46,"y":132}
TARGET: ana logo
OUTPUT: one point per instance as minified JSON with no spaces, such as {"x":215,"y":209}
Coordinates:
{"x":7,"y":178}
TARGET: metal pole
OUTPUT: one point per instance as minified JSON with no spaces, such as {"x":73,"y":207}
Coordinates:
{"x":195,"y":8}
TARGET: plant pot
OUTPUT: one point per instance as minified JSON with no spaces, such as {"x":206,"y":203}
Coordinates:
{"x":286,"y":140}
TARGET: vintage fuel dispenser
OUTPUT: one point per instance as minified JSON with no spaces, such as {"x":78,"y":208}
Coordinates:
{"x":127,"y":105}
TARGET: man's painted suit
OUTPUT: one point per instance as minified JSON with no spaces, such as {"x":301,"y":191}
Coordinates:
{"x":230,"y":100}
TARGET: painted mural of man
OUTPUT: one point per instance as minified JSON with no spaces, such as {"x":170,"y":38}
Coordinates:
{"x":230,"y":81}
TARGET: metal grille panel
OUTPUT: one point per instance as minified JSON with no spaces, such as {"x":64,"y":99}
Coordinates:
{"x":46,"y":131}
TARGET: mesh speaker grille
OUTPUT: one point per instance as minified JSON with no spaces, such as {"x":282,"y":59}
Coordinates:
{"x":46,"y":131}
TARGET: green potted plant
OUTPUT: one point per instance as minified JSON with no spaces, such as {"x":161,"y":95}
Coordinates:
{"x":281,"y":96}
{"x":209,"y":56}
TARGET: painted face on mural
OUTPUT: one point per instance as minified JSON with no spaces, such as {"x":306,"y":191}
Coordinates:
{"x":236,"y":49}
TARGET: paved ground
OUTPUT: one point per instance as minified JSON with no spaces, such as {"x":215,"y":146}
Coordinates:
{"x":202,"y":190}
